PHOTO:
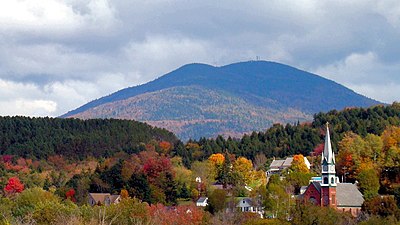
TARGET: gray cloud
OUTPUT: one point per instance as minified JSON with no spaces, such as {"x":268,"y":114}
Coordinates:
{"x":57,"y":55}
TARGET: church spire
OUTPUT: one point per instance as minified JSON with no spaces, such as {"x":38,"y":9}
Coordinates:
{"x":328,"y":154}
{"x":328,"y":162}
{"x":328,"y":173}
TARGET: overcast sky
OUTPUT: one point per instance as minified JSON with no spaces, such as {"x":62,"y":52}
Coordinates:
{"x":56,"y":55}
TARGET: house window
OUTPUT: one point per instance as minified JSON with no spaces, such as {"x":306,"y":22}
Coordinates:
{"x":332,"y":180}
{"x":246,"y":209}
{"x":325,"y":180}
{"x":313,"y":200}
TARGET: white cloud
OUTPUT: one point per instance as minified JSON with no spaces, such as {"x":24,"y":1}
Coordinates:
{"x":367,"y":74}
{"x":156,"y":56}
{"x":387,"y":93}
{"x":55,"y":19}
{"x":69,"y":52}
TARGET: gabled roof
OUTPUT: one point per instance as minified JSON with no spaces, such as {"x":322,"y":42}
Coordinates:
{"x":202,"y":199}
{"x":276,"y":163}
{"x":317,"y":186}
{"x":348,"y":195}
{"x":247,"y":200}
{"x":288,"y":162}
{"x":113,"y":198}
{"x":99,"y":197}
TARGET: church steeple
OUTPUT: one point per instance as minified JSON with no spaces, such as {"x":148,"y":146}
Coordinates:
{"x":328,"y":162}
{"x":328,"y":173}
{"x":328,"y":154}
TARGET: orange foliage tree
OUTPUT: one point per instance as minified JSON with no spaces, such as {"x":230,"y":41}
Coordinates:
{"x":165,"y":146}
{"x":298,"y":164}
{"x":217,"y":159}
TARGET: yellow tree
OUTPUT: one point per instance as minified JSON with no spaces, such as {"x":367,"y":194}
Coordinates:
{"x":391,"y":150}
{"x":243,"y":168}
{"x":298,"y":164}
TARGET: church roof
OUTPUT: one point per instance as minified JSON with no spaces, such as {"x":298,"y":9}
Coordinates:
{"x":317,"y":186}
{"x":348,"y":195}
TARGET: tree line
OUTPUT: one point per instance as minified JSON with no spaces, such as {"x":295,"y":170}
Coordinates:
{"x":299,"y":138}
{"x":74,"y":138}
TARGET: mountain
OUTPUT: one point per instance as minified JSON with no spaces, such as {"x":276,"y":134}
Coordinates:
{"x":201,"y":100}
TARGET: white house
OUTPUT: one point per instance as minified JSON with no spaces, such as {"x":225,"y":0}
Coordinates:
{"x":202,"y":202}
{"x":249,"y":205}
{"x":277,"y":166}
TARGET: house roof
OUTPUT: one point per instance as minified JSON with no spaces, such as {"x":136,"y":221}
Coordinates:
{"x":303,"y":189}
{"x":288,"y":162}
{"x":276,"y":163}
{"x":348,"y":195}
{"x":202,"y":199}
{"x":247,"y":200}
{"x":113,"y":198}
{"x":99,"y":197}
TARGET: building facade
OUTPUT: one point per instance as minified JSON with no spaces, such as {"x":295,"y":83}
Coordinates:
{"x":327,"y":190}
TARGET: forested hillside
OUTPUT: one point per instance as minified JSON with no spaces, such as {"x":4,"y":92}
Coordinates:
{"x":284,"y":140}
{"x":75,"y":138}
{"x":42,"y":137}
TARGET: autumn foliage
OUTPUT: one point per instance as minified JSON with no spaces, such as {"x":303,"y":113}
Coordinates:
{"x":164,"y":215}
{"x":298,"y":164}
{"x":70,"y":194}
{"x":13,"y":186}
{"x":217,"y":159}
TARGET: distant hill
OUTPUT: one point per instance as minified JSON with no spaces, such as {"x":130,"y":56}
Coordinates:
{"x":74,"y":138}
{"x":201,"y":100}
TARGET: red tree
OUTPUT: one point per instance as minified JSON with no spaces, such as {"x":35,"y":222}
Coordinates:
{"x":13,"y":186}
{"x":318,"y":149}
{"x":153,"y":167}
{"x":70,"y":195}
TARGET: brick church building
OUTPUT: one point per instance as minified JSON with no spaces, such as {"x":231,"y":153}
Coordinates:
{"x":327,"y":190}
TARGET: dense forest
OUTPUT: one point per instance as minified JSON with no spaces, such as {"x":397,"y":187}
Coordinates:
{"x":74,"y":138}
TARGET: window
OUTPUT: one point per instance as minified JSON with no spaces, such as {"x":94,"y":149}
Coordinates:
{"x":325,"y":180}
{"x":332,"y":180}
{"x":246,"y":209}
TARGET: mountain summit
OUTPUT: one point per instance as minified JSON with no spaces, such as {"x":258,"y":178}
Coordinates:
{"x":199,"y":100}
